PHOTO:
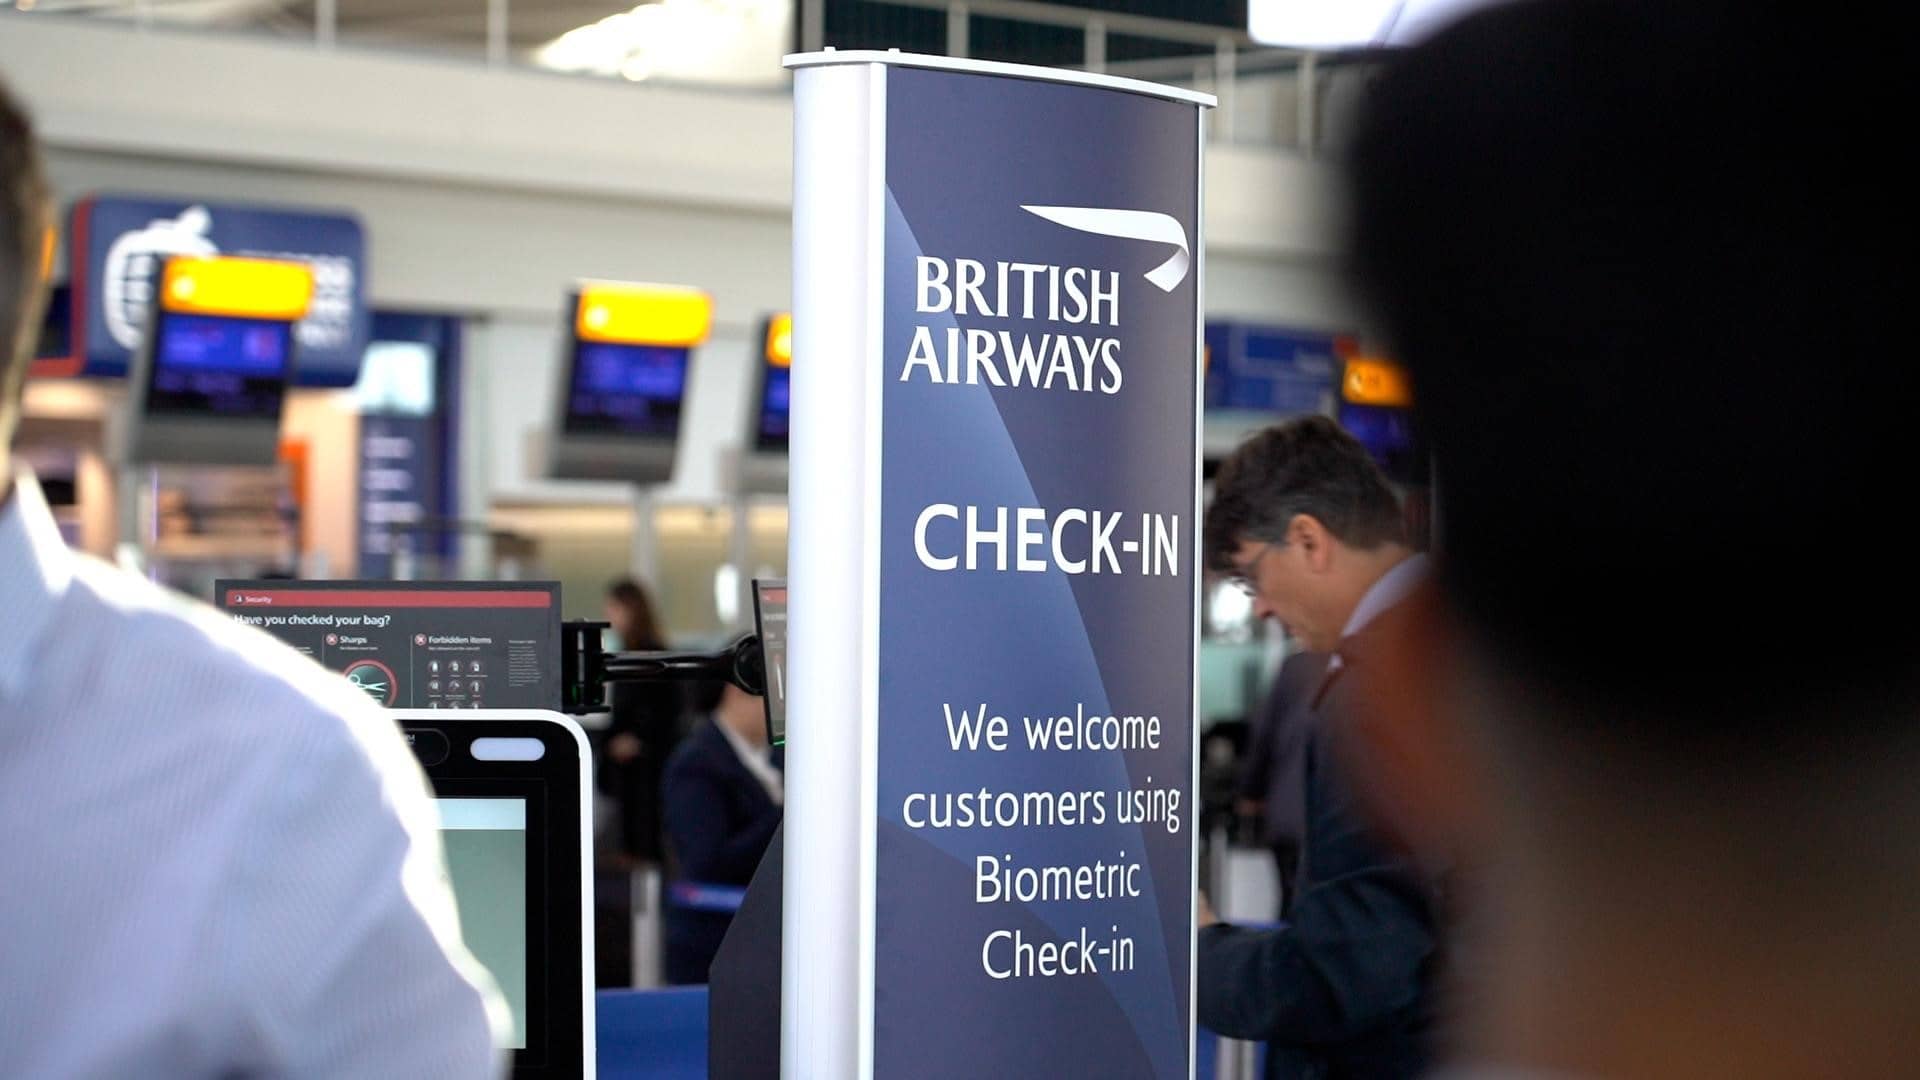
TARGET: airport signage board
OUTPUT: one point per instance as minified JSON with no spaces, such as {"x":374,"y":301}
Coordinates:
{"x":1273,"y":369}
{"x":117,"y":245}
{"x":417,"y":644}
{"x":994,"y":493}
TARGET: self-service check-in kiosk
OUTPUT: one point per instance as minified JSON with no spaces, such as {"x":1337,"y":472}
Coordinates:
{"x":474,"y":670}
{"x":624,"y":379}
{"x":211,"y":375}
{"x":514,"y":790}
{"x":513,"y":784}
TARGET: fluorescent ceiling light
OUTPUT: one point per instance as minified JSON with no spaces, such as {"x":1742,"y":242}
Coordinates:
{"x":1349,"y":24}
{"x":727,"y":41}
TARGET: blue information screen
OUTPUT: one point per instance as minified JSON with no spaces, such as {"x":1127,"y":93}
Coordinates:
{"x":1270,"y":369}
{"x":1388,"y":435}
{"x":776,"y":389}
{"x":626,"y":389}
{"x":219,"y":366}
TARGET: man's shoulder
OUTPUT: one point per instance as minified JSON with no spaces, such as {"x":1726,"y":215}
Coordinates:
{"x":197,"y":664}
{"x":704,"y":749}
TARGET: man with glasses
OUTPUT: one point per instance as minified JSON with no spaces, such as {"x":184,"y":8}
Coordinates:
{"x":1304,"y":521}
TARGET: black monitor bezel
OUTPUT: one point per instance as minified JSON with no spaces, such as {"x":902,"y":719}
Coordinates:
{"x":556,"y":871}
{"x":576,"y":425}
{"x":776,"y":734}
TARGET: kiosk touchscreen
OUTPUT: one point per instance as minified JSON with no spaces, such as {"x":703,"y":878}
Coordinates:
{"x":418,"y":644}
{"x":512,"y":787}
{"x":625,"y":374}
{"x":210,"y":377}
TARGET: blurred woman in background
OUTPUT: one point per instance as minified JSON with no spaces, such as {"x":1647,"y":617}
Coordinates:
{"x":646,"y":726}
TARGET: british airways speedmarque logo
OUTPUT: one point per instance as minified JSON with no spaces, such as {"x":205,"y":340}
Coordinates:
{"x":1061,"y":324}
{"x":1128,"y":225}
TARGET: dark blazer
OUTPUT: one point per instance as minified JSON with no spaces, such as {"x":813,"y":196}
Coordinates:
{"x":1274,"y":770}
{"x":651,"y":713}
{"x":1342,"y":990}
{"x":718,"y":822}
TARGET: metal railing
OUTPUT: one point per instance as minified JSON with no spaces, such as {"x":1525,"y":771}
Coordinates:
{"x":1219,"y":69}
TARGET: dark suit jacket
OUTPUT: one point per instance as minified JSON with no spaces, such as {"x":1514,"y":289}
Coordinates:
{"x":1343,"y":990}
{"x":1275,"y":768}
{"x":719,"y":820}
{"x":651,"y":713}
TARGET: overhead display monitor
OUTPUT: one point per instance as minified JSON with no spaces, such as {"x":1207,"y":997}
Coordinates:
{"x":418,"y":644}
{"x":625,"y":374}
{"x":763,"y":465}
{"x":1376,"y":406}
{"x":626,"y":389}
{"x":206,"y":365}
{"x":776,"y":370}
{"x":215,"y":363}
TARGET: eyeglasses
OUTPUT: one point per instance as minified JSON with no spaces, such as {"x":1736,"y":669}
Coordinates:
{"x":1245,"y":577}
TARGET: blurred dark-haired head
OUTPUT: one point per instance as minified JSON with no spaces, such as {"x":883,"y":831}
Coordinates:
{"x":26,"y":216}
{"x":1643,"y":277}
{"x":1639,"y":257}
{"x":630,"y":611}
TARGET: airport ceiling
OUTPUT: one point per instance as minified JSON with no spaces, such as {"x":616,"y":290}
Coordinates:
{"x":461,"y":25}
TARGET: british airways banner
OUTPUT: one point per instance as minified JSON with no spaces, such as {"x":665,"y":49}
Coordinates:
{"x":1028,"y":374}
{"x":119,"y":244}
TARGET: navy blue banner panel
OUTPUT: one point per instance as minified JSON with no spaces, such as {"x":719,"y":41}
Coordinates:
{"x":1034,"y":843}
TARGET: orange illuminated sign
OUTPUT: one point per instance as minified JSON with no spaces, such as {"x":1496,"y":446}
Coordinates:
{"x":625,"y":313}
{"x":779,"y":349}
{"x":237,"y":288}
{"x":1371,"y":381}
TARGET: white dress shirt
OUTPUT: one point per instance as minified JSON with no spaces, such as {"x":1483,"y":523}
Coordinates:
{"x":216,"y":859}
{"x":758,"y":760}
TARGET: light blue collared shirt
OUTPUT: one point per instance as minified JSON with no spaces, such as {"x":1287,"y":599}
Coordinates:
{"x":215,"y":858}
{"x":1394,"y":586}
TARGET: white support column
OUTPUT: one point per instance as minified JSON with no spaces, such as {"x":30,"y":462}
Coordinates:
{"x":832,"y":550}
{"x":497,"y":32}
{"x":1225,"y":61}
{"x":1306,"y":94}
{"x":813,"y":25}
{"x":959,"y":18}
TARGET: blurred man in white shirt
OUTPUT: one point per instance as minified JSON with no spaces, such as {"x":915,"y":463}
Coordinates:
{"x":217,"y":860}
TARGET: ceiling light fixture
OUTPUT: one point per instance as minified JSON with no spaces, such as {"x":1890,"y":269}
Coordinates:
{"x":1349,"y":24}
{"x":737,"y":42}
